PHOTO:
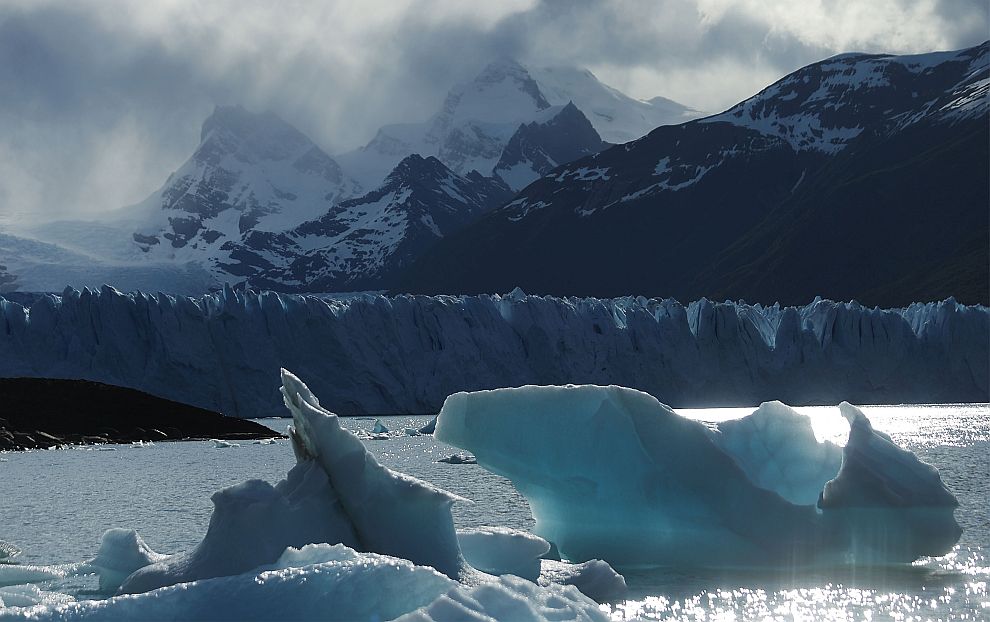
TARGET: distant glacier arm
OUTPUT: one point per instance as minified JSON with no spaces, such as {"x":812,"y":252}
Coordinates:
{"x":406,"y":354}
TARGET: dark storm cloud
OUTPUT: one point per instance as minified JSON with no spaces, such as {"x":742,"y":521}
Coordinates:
{"x":102,"y":99}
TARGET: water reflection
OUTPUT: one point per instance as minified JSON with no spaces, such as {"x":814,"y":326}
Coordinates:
{"x":925,"y":591}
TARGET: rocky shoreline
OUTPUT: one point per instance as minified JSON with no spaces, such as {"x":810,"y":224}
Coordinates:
{"x":41,"y":413}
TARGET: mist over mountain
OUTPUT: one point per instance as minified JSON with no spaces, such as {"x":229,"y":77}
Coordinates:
{"x":259,"y":203}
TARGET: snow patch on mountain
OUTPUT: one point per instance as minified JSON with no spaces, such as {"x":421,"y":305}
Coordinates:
{"x":360,"y":243}
{"x":825,"y":106}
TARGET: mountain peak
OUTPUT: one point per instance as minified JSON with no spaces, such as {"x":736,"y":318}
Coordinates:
{"x":237,"y":120}
{"x":495,"y":77}
{"x":415,"y":167}
{"x":501,"y":67}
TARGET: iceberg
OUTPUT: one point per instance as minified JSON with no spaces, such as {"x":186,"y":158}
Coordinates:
{"x":504,"y":551}
{"x":406,"y":354}
{"x":611,"y":473}
{"x":8,"y":551}
{"x":340,"y":538}
{"x":122,"y":552}
{"x":336,"y":493}
{"x":593,"y":578}
{"x":500,"y":550}
{"x":459,"y":459}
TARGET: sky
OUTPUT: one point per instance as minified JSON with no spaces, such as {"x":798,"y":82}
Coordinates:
{"x":102,"y":99}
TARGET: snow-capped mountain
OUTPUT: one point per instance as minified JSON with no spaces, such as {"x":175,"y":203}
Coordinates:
{"x":859,"y":176}
{"x":617,"y":117}
{"x":826,"y":106}
{"x":231,"y":213}
{"x":478,"y":119}
{"x":539,"y":147}
{"x":362,"y":243}
{"x":251,"y":172}
{"x":252,"y":176}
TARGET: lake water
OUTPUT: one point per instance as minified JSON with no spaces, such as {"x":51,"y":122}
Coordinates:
{"x":54,"y":506}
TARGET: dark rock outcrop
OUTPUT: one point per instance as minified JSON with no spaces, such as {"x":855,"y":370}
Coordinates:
{"x":39,"y":413}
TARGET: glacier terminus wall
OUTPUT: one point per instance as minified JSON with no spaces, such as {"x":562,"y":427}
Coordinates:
{"x":374,"y":354}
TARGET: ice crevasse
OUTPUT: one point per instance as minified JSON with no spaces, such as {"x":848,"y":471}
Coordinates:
{"x":612,"y":473}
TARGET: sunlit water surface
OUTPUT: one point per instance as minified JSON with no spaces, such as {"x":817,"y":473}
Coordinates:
{"x":56,"y":504}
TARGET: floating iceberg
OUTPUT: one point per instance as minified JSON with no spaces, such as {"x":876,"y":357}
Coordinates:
{"x":269,"y":551}
{"x":379,"y":427}
{"x":635,"y":484}
{"x":593,"y":578}
{"x":7,"y":550}
{"x":500,"y":550}
{"x":429,"y":427}
{"x":459,"y":459}
{"x":336,"y":493}
{"x":122,"y":552}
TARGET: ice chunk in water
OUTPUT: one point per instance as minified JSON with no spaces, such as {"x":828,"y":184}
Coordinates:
{"x":594,"y":578}
{"x":611,"y":473}
{"x":8,"y":551}
{"x":500,"y":550}
{"x":887,"y":500}
{"x":122,"y":551}
{"x":252,"y":524}
{"x":336,"y":493}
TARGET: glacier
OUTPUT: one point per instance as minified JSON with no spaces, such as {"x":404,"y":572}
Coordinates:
{"x":612,"y":473}
{"x":373,"y":354}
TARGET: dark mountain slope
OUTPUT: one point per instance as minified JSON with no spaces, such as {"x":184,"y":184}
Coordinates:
{"x":889,"y":223}
{"x":862,"y":176}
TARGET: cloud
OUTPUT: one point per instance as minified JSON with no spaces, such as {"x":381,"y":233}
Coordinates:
{"x":103,"y":98}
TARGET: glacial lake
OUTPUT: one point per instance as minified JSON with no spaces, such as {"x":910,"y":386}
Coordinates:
{"x":56,"y":505}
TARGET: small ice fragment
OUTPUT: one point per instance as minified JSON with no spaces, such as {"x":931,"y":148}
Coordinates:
{"x":218,"y":444}
{"x":500,"y":550}
{"x":379,"y":427}
{"x":459,"y":459}
{"x":122,"y":552}
{"x":594,"y":578}
{"x":429,"y":427}
{"x":8,"y":551}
